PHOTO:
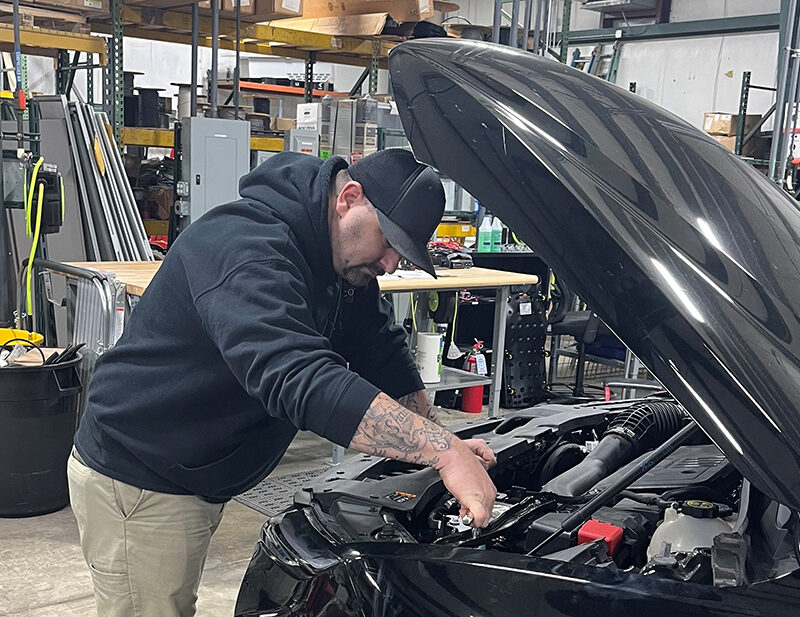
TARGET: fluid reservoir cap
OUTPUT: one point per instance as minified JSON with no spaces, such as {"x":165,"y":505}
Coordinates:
{"x":698,"y":508}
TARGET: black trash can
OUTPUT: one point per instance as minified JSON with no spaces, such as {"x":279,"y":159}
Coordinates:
{"x":38,"y":417}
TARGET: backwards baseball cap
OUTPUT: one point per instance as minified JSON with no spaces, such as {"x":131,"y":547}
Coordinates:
{"x":409,"y":199}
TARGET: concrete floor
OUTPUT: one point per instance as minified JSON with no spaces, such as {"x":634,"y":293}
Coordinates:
{"x":42,"y":572}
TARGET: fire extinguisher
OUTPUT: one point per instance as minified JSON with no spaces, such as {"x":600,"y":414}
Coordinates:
{"x":472,"y":397}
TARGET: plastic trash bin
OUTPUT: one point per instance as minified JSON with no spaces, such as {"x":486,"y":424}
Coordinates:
{"x":38,"y":417}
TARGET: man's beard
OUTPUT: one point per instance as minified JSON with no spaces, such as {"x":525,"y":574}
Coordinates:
{"x":360,"y":276}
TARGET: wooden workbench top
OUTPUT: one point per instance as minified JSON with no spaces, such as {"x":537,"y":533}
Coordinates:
{"x":469,"y":278}
{"x":136,"y":276}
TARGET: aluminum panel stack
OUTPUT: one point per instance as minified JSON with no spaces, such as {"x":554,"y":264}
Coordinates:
{"x":113,"y":229}
{"x":99,"y":318}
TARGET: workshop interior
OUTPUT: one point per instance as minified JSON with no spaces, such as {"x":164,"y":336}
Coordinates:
{"x":614,"y":309}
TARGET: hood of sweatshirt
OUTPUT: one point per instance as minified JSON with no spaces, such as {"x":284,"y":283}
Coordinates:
{"x":295,"y":187}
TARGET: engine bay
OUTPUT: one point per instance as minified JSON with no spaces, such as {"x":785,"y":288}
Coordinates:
{"x":564,"y":493}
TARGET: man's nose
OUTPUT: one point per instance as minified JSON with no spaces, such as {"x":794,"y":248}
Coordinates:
{"x":390,"y":260}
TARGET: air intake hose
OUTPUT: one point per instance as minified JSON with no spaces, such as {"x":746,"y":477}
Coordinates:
{"x":631,"y":433}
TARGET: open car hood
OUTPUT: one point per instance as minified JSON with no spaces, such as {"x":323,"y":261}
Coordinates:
{"x":689,"y":255}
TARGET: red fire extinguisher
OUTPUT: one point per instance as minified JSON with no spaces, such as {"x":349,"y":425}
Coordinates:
{"x":472,"y":397}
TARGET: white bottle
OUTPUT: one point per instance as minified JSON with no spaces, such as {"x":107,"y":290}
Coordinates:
{"x":485,"y":236}
{"x":497,"y":235}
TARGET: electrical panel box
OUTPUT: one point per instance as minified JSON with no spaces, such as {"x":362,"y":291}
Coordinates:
{"x":355,"y":132}
{"x":303,"y":141}
{"x":327,"y":111}
{"x":309,"y":116}
{"x":365,"y":135}
{"x":343,"y":128}
{"x":216,"y":153}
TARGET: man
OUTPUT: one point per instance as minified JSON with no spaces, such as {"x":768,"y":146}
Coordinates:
{"x":242,"y":338}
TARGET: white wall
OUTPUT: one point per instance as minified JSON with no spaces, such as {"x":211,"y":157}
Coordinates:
{"x":692,"y":76}
{"x":689,"y":10}
{"x":687,"y":76}
{"x":163,"y":64}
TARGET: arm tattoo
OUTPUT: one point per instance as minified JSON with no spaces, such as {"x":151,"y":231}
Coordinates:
{"x":389,"y":429}
{"x":419,"y":403}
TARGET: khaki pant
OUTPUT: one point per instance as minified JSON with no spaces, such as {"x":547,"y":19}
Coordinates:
{"x":145,"y":550}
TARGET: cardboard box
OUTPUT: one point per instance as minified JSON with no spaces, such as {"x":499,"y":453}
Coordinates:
{"x":161,"y":4}
{"x":399,"y":10}
{"x":351,"y":25}
{"x":757,"y":147}
{"x":254,"y":11}
{"x":283,"y":124}
{"x":73,"y":6}
{"x":715,"y":123}
{"x":395,"y":18}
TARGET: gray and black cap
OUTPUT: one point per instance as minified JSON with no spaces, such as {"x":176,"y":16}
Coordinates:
{"x":409,"y":199}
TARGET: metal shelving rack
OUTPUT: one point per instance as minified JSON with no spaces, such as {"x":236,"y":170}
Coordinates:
{"x":160,"y":25}
{"x":194,"y":30}
{"x":165,"y":138}
{"x":43,"y":42}
{"x":40,"y":42}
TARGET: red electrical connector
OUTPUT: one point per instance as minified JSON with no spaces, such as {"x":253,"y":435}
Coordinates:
{"x":594,"y":530}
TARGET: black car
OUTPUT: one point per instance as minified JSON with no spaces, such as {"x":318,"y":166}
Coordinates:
{"x":692,"y":258}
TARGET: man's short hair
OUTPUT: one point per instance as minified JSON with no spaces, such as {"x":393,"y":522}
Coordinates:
{"x":342,"y":178}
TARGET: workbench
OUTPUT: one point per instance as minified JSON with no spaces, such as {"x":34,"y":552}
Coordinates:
{"x":134,"y":277}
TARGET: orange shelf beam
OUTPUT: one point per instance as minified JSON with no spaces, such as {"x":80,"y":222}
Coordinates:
{"x":252,"y":86}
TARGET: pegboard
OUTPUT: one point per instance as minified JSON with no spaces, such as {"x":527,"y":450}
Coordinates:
{"x":524,"y":376}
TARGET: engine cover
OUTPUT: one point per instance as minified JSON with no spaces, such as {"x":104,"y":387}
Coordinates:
{"x":688,"y":466}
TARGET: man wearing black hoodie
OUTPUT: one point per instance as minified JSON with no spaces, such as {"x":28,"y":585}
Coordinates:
{"x":264,"y":318}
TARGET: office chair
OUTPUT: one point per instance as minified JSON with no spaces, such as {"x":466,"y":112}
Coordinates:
{"x":583,"y":325}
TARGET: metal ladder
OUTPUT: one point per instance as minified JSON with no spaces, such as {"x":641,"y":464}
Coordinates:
{"x":597,"y":60}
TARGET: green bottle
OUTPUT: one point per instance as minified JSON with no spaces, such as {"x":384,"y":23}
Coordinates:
{"x":497,"y":235}
{"x":485,"y":236}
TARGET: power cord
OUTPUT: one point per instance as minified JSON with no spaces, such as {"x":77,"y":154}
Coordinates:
{"x":28,"y":342}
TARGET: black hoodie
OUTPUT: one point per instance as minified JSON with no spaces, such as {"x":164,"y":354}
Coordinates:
{"x":243,"y":337}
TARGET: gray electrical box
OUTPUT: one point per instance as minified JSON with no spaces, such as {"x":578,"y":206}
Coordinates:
{"x":344,"y":120}
{"x":355,"y":132}
{"x":301,"y":140}
{"x":216,"y":153}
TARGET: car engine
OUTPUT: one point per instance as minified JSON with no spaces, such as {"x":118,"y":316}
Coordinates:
{"x":689,"y":517}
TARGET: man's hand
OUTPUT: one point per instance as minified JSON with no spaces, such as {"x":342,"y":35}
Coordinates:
{"x":482,"y":451}
{"x":463,"y":471}
{"x":389,"y":429}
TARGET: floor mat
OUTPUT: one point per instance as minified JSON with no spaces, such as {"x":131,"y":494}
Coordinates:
{"x":274,"y":494}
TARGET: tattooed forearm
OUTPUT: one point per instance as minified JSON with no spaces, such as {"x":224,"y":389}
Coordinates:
{"x":389,"y":429}
{"x":420,"y":404}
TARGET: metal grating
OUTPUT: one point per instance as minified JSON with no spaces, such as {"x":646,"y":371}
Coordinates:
{"x":273,"y":495}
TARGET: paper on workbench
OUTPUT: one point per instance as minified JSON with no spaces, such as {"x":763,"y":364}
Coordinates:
{"x":405,"y":274}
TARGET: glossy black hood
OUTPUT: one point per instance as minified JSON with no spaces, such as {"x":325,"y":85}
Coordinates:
{"x":690,"y":256}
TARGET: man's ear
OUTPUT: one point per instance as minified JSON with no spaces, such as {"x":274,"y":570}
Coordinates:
{"x":351,"y":195}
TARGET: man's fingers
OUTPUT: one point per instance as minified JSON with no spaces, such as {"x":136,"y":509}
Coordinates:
{"x":482,"y":451}
{"x":475,"y":515}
